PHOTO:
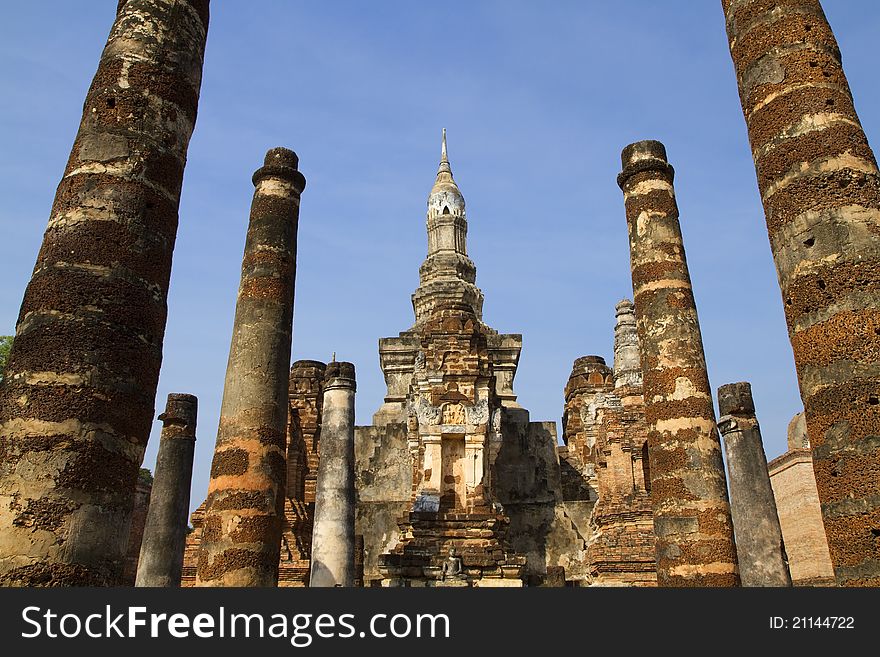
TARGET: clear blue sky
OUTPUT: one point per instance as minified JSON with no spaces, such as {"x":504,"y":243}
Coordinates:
{"x":538,"y":98}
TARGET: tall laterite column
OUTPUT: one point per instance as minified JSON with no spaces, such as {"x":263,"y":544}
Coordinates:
{"x":692,"y":523}
{"x":77,"y":400}
{"x":245,"y":507}
{"x":820,"y":188}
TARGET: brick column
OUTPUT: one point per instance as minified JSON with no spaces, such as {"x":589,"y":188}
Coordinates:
{"x":89,"y":335}
{"x":333,"y":549}
{"x":752,"y":505}
{"x":306,"y":379}
{"x":245,"y":507}
{"x":820,"y":188}
{"x":161,"y":556}
{"x":691,"y":513}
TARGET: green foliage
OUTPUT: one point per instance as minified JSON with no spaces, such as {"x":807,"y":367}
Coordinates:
{"x":145,"y":476}
{"x":5,"y":346}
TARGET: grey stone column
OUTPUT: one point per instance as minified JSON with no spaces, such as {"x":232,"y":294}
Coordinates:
{"x":244,"y":514}
{"x":627,"y":359}
{"x":333,"y":549}
{"x":89,"y":335}
{"x":752,"y":505}
{"x":161,"y":558}
{"x":820,"y":187}
{"x":695,"y":545}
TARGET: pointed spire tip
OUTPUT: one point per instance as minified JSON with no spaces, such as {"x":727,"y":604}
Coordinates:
{"x":443,"y":157}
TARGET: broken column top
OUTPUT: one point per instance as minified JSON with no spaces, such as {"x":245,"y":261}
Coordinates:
{"x":339,"y":374}
{"x":647,"y":155}
{"x":624,"y":307}
{"x":305,"y":367}
{"x":181,"y":408}
{"x":587,"y":372}
{"x":797,"y":433}
{"x":281,"y":163}
{"x":736,"y":399}
{"x":588,"y":363}
{"x":182,"y":398}
{"x":280,"y":156}
{"x":306,"y":377}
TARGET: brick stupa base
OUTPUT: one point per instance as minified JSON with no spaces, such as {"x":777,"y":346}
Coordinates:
{"x":452,"y":549}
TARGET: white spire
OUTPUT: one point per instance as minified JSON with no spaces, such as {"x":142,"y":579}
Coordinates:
{"x":445,"y":192}
{"x":447,"y":272}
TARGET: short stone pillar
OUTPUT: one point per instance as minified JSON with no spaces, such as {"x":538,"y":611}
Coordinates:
{"x":333,"y":539}
{"x":244,"y":514}
{"x":695,"y":544}
{"x":752,"y":505}
{"x":161,"y":558}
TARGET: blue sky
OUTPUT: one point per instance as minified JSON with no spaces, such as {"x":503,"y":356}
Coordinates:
{"x":538,"y":100}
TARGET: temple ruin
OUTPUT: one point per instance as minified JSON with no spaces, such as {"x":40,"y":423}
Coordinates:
{"x":452,"y":484}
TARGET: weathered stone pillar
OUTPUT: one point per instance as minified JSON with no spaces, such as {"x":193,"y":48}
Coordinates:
{"x":689,"y":495}
{"x":77,"y":400}
{"x":139,"y":511}
{"x":161,"y":557}
{"x":752,"y":505}
{"x":333,"y":549}
{"x":627,"y":360}
{"x":245,"y":506}
{"x":820,"y":188}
